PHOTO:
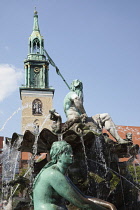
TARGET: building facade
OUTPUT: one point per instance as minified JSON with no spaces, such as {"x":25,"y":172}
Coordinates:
{"x":36,"y":95}
{"x":122,"y":131}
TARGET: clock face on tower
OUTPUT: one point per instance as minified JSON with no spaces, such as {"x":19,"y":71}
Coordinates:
{"x":36,"y":69}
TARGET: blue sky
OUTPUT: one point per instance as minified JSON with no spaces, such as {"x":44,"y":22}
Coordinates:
{"x":96,"y":41}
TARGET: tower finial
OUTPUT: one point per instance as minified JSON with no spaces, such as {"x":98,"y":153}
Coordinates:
{"x":35,"y":26}
{"x":35,"y":12}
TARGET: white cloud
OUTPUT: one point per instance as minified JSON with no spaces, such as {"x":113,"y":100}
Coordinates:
{"x":10,"y":80}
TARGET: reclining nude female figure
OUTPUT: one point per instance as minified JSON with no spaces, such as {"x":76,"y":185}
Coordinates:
{"x":51,"y":187}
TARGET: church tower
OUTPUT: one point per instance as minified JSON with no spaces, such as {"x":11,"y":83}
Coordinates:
{"x":36,"y":95}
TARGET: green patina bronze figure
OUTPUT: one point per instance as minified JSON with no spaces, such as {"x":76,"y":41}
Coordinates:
{"x":74,"y":109}
{"x":51,"y":186}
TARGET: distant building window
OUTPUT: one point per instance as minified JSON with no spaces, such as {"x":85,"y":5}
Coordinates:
{"x":37,"y":107}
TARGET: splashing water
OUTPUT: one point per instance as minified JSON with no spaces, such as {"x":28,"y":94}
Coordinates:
{"x":84,"y":149}
{"x":36,"y":133}
{"x":46,"y":119}
{"x":32,"y":158}
{"x":122,"y":188}
{"x":136,"y":177}
{"x":15,"y":112}
{"x":86,"y":162}
{"x":60,"y":137}
{"x":10,"y":164}
{"x":99,"y":151}
{"x":27,"y":105}
{"x":13,"y":191}
{"x":27,"y":126}
{"x":10,"y":158}
{"x":117,"y":174}
{"x":26,"y":173}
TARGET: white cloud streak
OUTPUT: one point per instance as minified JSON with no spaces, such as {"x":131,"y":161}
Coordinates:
{"x":10,"y":80}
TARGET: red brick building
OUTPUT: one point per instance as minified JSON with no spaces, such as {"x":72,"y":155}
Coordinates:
{"x":123,"y":130}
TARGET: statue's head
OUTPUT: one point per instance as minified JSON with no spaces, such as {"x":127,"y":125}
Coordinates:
{"x":61,"y":150}
{"x":77,"y":87}
{"x":129,"y":136}
{"x":76,"y":84}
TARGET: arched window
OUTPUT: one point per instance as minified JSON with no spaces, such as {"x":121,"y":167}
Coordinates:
{"x":37,"y":107}
{"x":36,"y":46}
{"x":30,"y":47}
{"x":42,"y":44}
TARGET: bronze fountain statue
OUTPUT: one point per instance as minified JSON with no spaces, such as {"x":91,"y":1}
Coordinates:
{"x":88,"y":156}
{"x":51,"y":186}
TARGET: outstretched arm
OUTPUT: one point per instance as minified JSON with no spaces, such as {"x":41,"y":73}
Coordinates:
{"x":103,"y":203}
{"x":64,"y":188}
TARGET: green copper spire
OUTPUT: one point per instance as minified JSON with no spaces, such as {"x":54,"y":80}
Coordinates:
{"x":35,"y":25}
{"x":36,"y":41}
{"x":36,"y":65}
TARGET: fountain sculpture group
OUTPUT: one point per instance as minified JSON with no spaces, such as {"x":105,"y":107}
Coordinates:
{"x":95,"y":171}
